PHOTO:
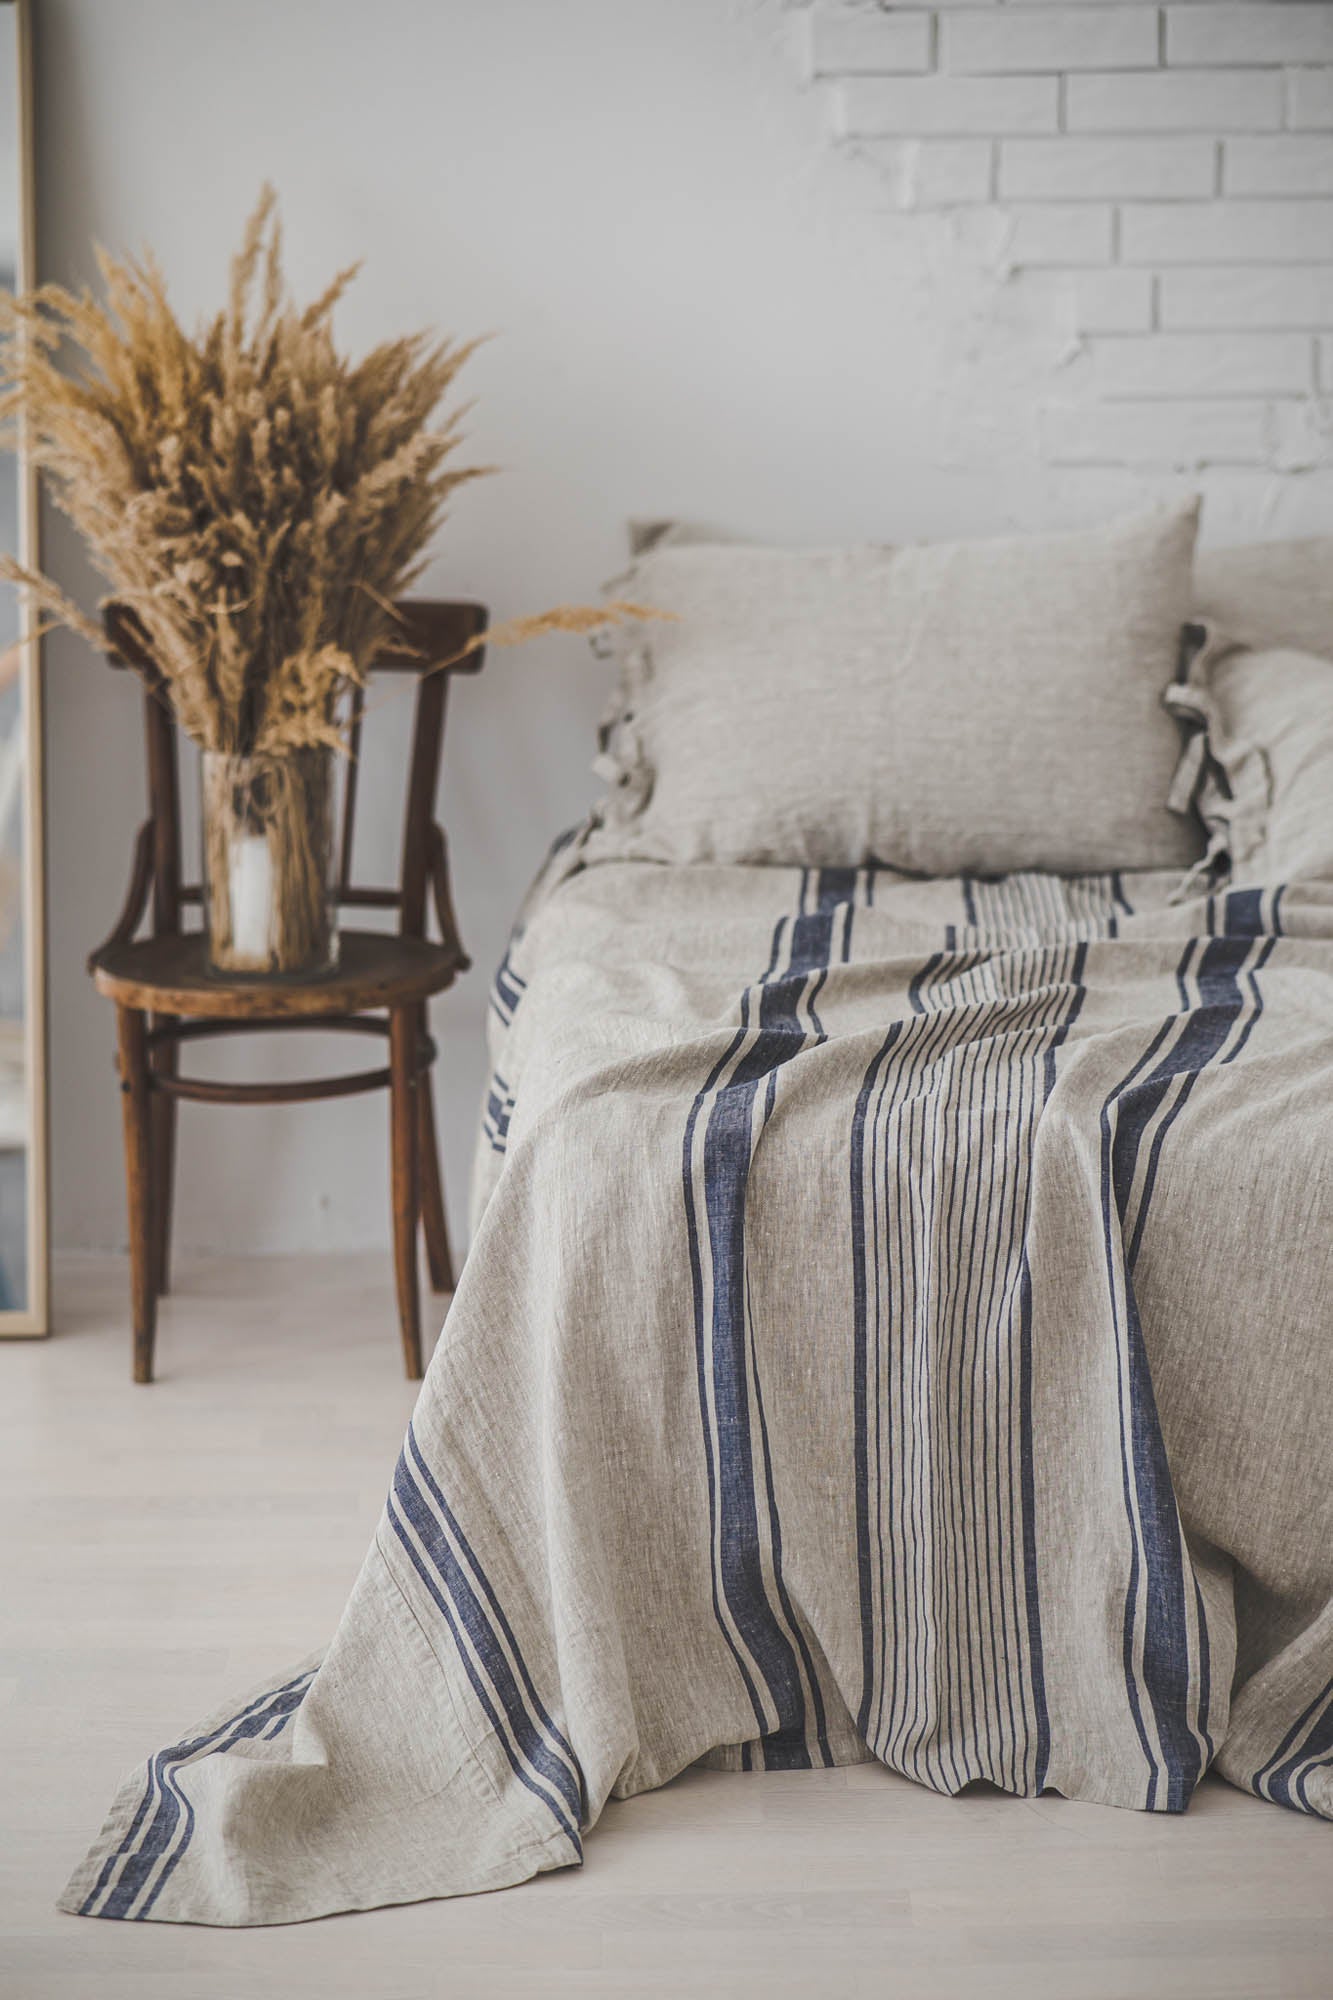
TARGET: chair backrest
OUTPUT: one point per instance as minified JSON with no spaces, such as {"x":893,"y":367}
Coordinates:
{"x":430,"y":631}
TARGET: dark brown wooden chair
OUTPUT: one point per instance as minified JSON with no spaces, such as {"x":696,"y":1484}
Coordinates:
{"x":165,"y":995}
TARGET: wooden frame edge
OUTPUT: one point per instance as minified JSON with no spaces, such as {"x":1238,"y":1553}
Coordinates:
{"x":35,"y":1317}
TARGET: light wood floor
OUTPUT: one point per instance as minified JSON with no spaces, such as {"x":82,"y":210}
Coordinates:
{"x":163,"y":1548}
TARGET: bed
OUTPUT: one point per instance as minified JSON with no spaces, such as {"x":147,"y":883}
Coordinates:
{"x":896,"y":1326}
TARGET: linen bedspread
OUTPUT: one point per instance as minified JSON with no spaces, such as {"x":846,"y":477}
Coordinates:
{"x":897,"y":1325}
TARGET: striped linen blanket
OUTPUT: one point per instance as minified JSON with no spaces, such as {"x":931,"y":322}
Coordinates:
{"x":897,"y":1326}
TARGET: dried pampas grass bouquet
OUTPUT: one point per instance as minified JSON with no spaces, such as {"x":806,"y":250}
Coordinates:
{"x":257,"y":501}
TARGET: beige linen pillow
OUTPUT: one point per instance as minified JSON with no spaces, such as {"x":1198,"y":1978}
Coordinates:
{"x":1270,"y":594}
{"x":963,"y":706}
{"x":1259,"y":769}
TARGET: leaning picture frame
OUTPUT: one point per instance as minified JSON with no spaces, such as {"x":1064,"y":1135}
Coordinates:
{"x":24,"y":1195}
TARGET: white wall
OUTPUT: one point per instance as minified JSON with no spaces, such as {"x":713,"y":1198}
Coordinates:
{"x":703,"y":303}
{"x":1163,"y":174}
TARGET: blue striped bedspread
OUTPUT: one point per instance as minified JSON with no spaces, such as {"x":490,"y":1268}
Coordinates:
{"x":897,"y":1327}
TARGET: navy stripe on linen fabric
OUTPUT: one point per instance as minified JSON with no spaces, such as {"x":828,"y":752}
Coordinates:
{"x":998,"y":909}
{"x":952,"y":1683}
{"x":163,"y":1825}
{"x":1027,"y":1439}
{"x":1165,"y":1663}
{"x":497,"y":1611}
{"x":750,"y":1597}
{"x":860,"y":1378}
{"x":498,"y":1111}
{"x":508,"y":987}
{"x":537,"y":1752}
{"x":1306,"y":1748}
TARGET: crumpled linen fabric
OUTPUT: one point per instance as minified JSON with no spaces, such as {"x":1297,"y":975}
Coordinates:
{"x":897,"y":1327}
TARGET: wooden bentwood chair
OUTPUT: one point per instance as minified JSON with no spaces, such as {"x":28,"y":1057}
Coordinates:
{"x":165,"y":994}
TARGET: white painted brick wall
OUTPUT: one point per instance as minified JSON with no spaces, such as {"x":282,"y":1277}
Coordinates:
{"x":1310,"y":99}
{"x":1298,"y":165}
{"x":933,"y":173}
{"x":1168,"y":170}
{"x":1053,"y":232}
{"x":1261,"y":232}
{"x":1075,"y":169}
{"x":1181,"y":101}
{"x":1266,"y":31}
{"x":1204,"y":364}
{"x":1113,"y":301}
{"x":1009,"y":40}
{"x":1182,"y":436}
{"x":871,"y":42}
{"x":1233,"y":295}
{"x":950,"y":104}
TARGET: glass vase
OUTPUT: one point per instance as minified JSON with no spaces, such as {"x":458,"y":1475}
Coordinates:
{"x":270,"y":906}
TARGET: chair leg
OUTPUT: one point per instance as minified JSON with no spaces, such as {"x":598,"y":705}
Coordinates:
{"x":164,"y":1169}
{"x":434,"y":1225}
{"x":404,"y":1138}
{"x":136,"y":1106}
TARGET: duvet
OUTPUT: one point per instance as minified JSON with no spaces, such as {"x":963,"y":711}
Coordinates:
{"x":898,"y":1325}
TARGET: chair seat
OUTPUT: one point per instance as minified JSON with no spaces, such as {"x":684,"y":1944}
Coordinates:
{"x":170,"y":975}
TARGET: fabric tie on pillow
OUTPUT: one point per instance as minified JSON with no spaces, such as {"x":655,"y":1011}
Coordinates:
{"x":1258,"y":765}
